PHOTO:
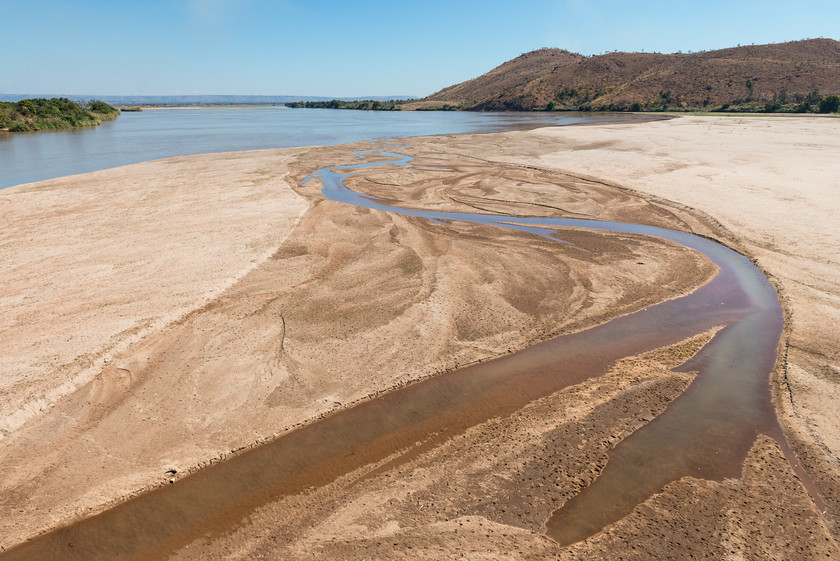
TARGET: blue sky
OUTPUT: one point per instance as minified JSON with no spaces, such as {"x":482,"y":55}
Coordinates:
{"x":351,"y":48}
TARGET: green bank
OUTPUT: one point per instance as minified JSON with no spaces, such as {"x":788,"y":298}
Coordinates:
{"x":40,"y":114}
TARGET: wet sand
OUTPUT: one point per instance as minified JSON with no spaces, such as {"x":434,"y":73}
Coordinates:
{"x":349,"y":304}
{"x":771,"y":183}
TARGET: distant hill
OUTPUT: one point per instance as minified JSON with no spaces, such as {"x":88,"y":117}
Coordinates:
{"x":201,"y":99}
{"x":779,"y":77}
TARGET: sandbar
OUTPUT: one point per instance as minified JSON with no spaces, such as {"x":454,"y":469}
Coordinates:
{"x":211,"y":303}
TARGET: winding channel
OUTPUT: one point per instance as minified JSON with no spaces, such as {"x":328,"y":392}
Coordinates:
{"x":705,"y":433}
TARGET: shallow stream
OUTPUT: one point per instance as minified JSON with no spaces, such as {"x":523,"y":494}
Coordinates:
{"x":705,"y":433}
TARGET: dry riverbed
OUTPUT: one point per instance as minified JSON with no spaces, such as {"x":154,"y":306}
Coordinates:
{"x":159,"y":316}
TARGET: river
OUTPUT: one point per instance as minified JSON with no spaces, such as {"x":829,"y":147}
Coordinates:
{"x":161,"y":133}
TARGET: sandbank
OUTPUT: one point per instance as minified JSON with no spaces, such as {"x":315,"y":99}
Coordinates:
{"x":249,"y":305}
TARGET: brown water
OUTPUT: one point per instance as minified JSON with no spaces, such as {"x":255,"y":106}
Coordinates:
{"x":705,"y":433}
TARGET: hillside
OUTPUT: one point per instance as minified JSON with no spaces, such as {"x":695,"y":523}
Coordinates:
{"x":521,"y":70}
{"x":41,"y":114}
{"x":793,"y":76}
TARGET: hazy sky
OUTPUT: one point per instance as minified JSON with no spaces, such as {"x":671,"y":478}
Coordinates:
{"x":352,"y":48}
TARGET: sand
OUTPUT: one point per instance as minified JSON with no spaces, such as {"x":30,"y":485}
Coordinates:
{"x":772,"y":183}
{"x":95,"y":262}
{"x":263,"y":307}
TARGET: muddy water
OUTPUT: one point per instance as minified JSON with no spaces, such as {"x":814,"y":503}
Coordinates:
{"x":706,"y":432}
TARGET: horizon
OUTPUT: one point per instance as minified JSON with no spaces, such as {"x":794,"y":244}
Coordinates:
{"x":289,"y":48}
{"x":128,"y":97}
{"x":293,"y":97}
{"x":131,"y":98}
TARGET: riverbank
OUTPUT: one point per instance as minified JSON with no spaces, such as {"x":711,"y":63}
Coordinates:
{"x":30,"y":115}
{"x":393,"y":299}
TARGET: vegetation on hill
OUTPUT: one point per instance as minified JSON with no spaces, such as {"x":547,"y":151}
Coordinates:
{"x":800,"y":76}
{"x":366,"y":105}
{"x":41,"y":114}
{"x":444,"y":107}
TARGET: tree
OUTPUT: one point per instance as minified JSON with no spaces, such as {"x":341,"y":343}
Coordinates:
{"x":831,"y":104}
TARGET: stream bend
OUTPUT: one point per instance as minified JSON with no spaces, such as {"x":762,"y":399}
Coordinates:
{"x":706,"y":432}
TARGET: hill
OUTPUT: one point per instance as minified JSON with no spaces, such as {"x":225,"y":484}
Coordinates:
{"x":510,"y":75}
{"x":794,"y":76}
{"x":41,"y":114}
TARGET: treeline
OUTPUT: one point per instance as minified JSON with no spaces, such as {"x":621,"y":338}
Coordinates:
{"x":364,"y":105}
{"x":444,"y":107}
{"x":572,"y":100}
{"x":41,"y":114}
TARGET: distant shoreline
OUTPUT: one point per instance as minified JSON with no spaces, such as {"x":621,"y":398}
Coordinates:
{"x":216,"y":106}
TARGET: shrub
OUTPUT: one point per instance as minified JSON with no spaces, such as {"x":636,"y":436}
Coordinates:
{"x":831,"y":104}
{"x":100,"y":107}
{"x":772,"y":107}
{"x":52,"y":114}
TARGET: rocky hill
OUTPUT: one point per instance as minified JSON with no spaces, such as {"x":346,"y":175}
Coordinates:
{"x":778,"y":77}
